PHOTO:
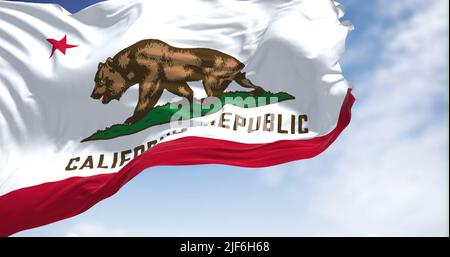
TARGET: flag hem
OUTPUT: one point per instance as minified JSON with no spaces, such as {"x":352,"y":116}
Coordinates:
{"x":49,"y":202}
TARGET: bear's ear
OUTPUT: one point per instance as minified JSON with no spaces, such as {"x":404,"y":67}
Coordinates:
{"x":100,"y":65}
{"x":109,"y":61}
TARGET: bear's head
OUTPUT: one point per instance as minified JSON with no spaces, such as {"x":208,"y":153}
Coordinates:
{"x":109,"y":83}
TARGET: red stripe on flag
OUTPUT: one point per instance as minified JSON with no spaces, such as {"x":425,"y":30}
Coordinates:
{"x":42,"y":204}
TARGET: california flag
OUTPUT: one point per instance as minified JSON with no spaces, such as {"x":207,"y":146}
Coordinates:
{"x":89,"y":100}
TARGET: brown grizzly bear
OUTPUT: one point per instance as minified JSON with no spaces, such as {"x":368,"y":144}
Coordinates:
{"x":155,"y":66}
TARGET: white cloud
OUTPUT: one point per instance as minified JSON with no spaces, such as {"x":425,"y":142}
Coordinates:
{"x":391,"y":177}
{"x":93,"y":230}
{"x":271,"y":177}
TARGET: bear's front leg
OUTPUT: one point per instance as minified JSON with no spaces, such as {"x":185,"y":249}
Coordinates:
{"x":133,"y":119}
{"x":149,"y":94}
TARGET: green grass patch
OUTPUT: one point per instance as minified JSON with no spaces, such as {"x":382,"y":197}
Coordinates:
{"x":162,"y":114}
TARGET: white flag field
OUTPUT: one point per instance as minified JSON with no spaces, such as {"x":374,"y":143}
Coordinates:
{"x":91,"y":99}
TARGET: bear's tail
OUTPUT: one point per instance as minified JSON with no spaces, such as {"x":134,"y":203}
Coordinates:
{"x":245,"y":82}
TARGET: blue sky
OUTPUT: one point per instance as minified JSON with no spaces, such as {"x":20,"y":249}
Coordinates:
{"x":386,"y":175}
{"x":70,"y":5}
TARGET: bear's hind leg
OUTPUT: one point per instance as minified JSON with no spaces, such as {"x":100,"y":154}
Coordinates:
{"x":219,"y":90}
{"x":209,"y":84}
{"x":215,"y":86}
{"x":180,"y":89}
{"x":242,"y":80}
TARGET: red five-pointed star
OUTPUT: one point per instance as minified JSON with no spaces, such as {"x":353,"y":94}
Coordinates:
{"x":60,"y":45}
